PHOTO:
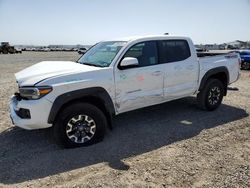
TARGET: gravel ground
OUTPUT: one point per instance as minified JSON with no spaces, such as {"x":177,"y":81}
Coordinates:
{"x":169,"y":145}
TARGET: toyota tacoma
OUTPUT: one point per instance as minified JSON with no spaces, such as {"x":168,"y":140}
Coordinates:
{"x":79,"y":99}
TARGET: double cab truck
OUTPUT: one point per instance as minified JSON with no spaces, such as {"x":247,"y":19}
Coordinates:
{"x":79,"y":99}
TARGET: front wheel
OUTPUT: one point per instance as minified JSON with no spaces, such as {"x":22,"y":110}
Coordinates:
{"x":80,"y":124}
{"x":210,"y":97}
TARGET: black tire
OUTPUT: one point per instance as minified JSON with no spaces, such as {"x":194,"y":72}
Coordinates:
{"x":245,"y":66}
{"x":64,"y":119}
{"x":210,"y":97}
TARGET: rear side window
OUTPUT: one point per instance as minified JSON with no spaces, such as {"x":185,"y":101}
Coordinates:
{"x":173,"y":50}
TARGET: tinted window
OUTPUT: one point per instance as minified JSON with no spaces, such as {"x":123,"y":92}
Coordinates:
{"x":145,"y":52}
{"x":173,"y":50}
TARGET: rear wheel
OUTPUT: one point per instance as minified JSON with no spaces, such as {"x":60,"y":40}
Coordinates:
{"x":80,"y":124}
{"x":210,"y":97}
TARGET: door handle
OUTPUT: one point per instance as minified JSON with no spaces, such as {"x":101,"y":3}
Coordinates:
{"x":156,"y":73}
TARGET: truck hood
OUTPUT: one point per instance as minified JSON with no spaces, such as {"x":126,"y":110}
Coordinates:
{"x":47,"y":69}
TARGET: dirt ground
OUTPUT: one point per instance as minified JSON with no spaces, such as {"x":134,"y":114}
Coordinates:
{"x":169,"y":145}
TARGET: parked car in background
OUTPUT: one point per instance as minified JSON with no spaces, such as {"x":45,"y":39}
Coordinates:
{"x":46,"y":49}
{"x":245,"y":59}
{"x":82,"y":50}
{"x":18,"y":50}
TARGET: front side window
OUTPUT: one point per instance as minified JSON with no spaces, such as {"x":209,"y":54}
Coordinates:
{"x":102,"y":54}
{"x":145,"y":52}
{"x":173,"y":50}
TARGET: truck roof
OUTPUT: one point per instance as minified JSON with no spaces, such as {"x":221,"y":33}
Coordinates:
{"x":149,"y":37}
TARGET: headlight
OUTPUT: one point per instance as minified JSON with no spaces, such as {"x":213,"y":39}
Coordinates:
{"x":34,"y":92}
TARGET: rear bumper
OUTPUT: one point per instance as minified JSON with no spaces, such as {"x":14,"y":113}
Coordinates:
{"x":38,"y":109}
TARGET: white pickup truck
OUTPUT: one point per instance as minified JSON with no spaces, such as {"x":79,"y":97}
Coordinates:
{"x":80,"y":98}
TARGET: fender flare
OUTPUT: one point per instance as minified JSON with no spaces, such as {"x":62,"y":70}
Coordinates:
{"x":65,"y":98}
{"x":212,"y":72}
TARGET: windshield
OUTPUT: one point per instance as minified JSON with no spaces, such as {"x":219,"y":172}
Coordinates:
{"x":102,"y":54}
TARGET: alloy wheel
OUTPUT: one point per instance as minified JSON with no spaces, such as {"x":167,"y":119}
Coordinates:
{"x":80,"y":128}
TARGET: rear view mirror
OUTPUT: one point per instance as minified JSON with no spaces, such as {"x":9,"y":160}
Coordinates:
{"x":129,"y":62}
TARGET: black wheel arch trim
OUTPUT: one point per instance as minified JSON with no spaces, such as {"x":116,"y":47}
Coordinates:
{"x":213,"y":72}
{"x":97,"y":92}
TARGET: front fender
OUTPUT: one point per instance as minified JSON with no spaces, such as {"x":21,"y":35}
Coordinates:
{"x":65,"y":98}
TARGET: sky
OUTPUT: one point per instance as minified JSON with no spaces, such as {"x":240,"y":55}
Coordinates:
{"x":44,"y":22}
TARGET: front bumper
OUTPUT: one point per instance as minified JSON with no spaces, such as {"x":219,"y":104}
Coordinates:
{"x":38,"y":109}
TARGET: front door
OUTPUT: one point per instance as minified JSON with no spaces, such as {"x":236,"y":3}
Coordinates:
{"x":140,"y":86}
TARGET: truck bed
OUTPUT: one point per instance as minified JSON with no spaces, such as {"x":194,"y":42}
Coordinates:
{"x":228,"y":60}
{"x":213,"y":53}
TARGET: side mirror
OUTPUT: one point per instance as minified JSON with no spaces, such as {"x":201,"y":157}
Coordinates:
{"x":129,"y":62}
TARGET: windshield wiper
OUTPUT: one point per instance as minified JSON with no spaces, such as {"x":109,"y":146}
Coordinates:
{"x":90,"y":64}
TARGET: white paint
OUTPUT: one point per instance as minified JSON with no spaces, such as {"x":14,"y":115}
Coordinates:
{"x":181,"y":78}
{"x":138,"y":87}
{"x":47,"y":69}
{"x":129,"y":89}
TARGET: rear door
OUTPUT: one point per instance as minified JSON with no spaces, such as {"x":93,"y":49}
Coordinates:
{"x":181,"y":68}
{"x":140,"y":86}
